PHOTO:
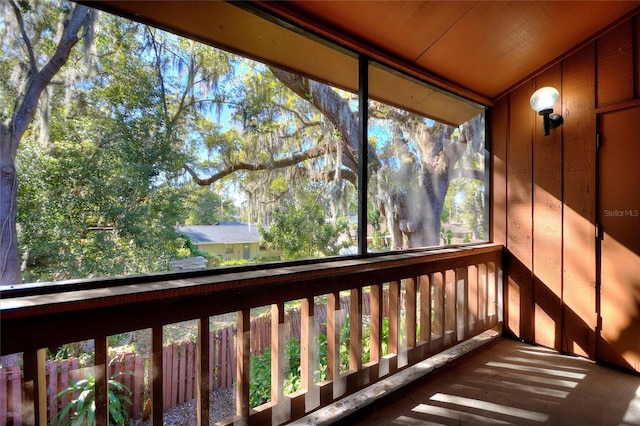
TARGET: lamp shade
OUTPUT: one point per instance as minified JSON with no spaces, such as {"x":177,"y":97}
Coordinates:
{"x":544,"y":98}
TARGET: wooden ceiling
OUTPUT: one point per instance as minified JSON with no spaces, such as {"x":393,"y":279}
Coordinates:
{"x":474,"y":49}
{"x":485,"y":47}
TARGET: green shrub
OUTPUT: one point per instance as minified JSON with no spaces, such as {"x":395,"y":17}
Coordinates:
{"x":82,"y":409}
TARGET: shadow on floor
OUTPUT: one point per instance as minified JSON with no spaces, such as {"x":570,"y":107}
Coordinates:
{"x":509,"y":382}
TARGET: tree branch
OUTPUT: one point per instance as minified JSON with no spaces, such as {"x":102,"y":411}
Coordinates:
{"x":331,"y":105}
{"x":26,"y":110}
{"x":295,"y":158}
{"x":467,"y":173}
{"x":25,"y":38}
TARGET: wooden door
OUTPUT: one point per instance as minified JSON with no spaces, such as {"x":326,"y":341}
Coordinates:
{"x":619,"y":245}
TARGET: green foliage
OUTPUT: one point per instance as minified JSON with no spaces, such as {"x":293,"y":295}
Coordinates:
{"x":81,"y":409}
{"x":304,"y":232}
{"x":205,"y":206}
{"x":260,"y":382}
{"x":188,"y":249}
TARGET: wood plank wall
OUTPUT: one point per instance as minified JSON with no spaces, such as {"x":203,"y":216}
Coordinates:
{"x":544,"y":193}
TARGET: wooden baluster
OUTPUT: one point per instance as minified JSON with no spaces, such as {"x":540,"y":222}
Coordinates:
{"x":375,"y":315}
{"x":394,"y":324}
{"x":355,"y":329}
{"x":410,"y":311}
{"x":333,"y":356}
{"x":333,"y":349}
{"x":462,"y":303}
{"x":483,"y":284}
{"x":34,"y":388}
{"x":355,"y":339}
{"x":202,"y":372}
{"x":102,"y":380}
{"x":450,"y":299}
{"x":439,"y":322}
{"x":425,"y":308}
{"x":473,"y":302}
{"x":308,"y":339}
{"x":280,"y":412}
{"x":243,"y":362}
{"x":492,"y":294}
{"x":157,"y":376}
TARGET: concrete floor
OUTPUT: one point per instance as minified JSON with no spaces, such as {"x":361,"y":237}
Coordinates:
{"x":509,"y":382}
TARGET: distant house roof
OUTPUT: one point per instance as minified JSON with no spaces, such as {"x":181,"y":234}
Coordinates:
{"x":222,"y":233}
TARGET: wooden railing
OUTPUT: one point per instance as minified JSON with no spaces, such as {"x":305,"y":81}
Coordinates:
{"x":433,"y":300}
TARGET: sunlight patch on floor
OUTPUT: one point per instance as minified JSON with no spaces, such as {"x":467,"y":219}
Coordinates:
{"x":507,"y":386}
{"x":632,"y":416}
{"x":490,"y":406}
{"x":541,"y":362}
{"x":538,"y":370}
{"x":456,"y":415}
{"x":406,"y":420}
{"x":527,"y":378}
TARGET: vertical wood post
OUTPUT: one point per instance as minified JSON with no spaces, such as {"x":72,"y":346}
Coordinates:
{"x":410,"y":311}
{"x":375,"y":317}
{"x":394,"y":322}
{"x":462,"y":305}
{"x":450,"y":299}
{"x":355,"y":329}
{"x":157,"y":376}
{"x":438,"y":305}
{"x":202,"y":375}
{"x":308,"y":354}
{"x":280,"y":412}
{"x":333,"y":344}
{"x":102,"y":380}
{"x":243,"y":363}
{"x":425,"y":308}
{"x":34,"y":388}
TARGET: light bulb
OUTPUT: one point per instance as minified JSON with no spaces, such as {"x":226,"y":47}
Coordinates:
{"x":544,"y":99}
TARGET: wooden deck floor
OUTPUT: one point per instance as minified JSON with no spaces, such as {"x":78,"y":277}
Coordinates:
{"x":509,"y":382}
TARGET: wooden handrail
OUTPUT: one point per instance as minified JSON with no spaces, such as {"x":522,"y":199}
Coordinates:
{"x":457,"y":290}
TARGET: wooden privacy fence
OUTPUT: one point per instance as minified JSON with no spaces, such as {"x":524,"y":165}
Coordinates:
{"x":179,"y":370}
{"x":448,"y":295}
{"x":130,"y":369}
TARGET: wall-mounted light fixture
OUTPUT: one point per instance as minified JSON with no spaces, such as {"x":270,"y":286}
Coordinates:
{"x":542,"y":101}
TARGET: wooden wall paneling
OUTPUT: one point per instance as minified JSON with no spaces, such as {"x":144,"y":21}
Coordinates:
{"x":615,"y":66}
{"x":579,"y":199}
{"x":519,"y":297}
{"x":499,"y":116}
{"x":547,"y":223}
{"x":636,"y":56}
